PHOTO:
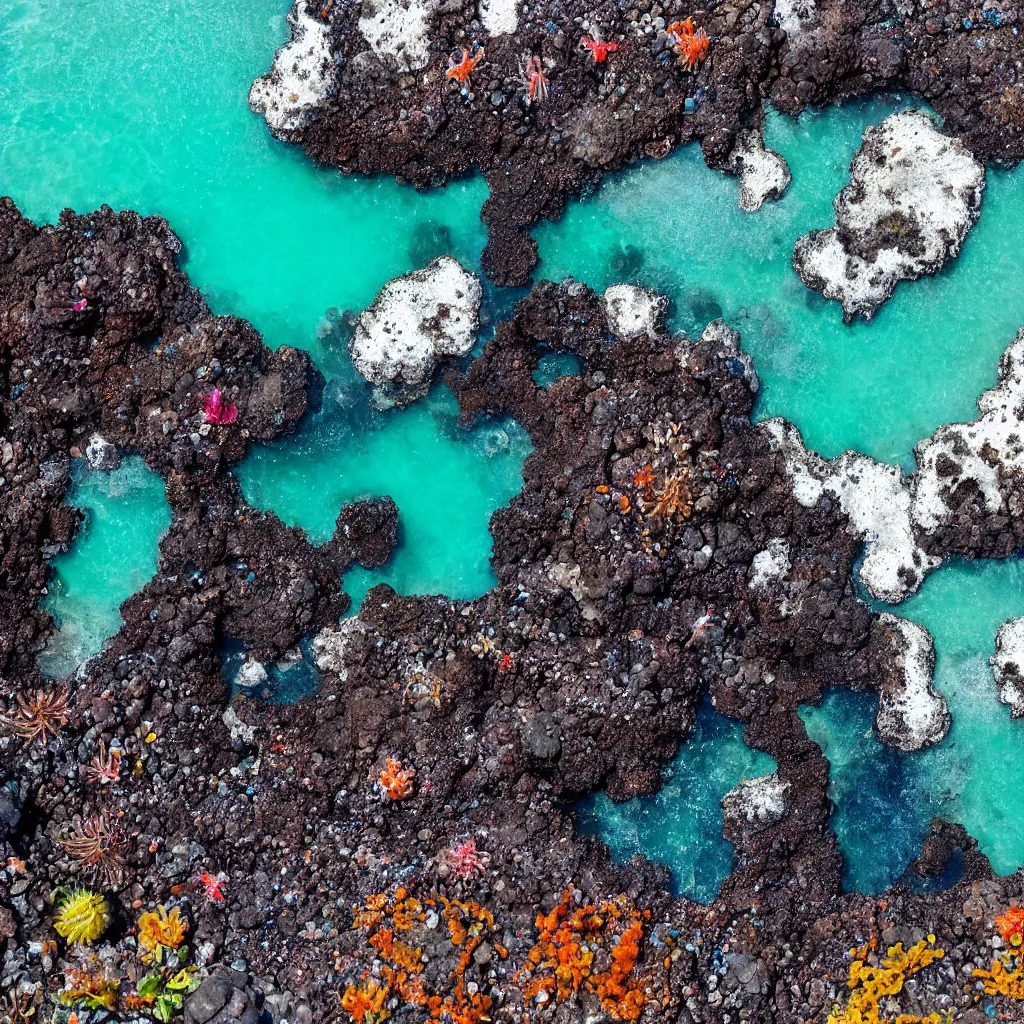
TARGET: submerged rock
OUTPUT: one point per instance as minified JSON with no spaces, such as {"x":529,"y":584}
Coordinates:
{"x":1008,"y":665}
{"x":911,"y":714}
{"x":289,"y":97}
{"x":416,"y":320}
{"x":764,"y":174}
{"x":914,"y":193}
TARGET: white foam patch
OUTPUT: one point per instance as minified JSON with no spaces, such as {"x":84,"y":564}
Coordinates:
{"x":290,"y":96}
{"x":499,"y":17}
{"x":1008,"y":665}
{"x":415,"y":320}
{"x":909,"y":180}
{"x":911,"y":714}
{"x":399,"y":30}
{"x":632,"y":311}
{"x":764,"y":174}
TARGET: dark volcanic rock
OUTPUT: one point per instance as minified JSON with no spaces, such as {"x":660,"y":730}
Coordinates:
{"x":655,"y":555}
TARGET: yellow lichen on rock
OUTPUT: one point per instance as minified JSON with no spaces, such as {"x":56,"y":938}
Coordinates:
{"x":871,"y":984}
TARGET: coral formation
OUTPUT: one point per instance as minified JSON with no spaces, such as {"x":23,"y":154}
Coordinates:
{"x":82,"y":916}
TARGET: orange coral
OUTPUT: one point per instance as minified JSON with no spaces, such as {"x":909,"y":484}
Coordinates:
{"x":1006,"y":975}
{"x":594,"y":948}
{"x":159,"y":930}
{"x":689,"y":44}
{"x":402,"y":966}
{"x":394,"y":781}
{"x":1011,"y":926}
{"x":366,"y":1003}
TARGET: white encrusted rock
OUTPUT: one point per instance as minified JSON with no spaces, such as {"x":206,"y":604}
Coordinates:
{"x":876,"y":498}
{"x":290,"y":96}
{"x":794,"y":16}
{"x":770,"y":565}
{"x":764,"y":174}
{"x":1008,"y":665}
{"x":759,"y":801}
{"x":988,"y":451}
{"x":332,"y":647}
{"x":894,"y":513}
{"x":911,"y":714}
{"x":416,"y":320}
{"x":914,"y":193}
{"x":100,"y":454}
{"x":633,"y":311}
{"x":499,"y":17}
{"x":399,"y":31}
{"x":252,"y":674}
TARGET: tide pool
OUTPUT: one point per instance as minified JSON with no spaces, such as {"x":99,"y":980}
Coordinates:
{"x":885,"y":800}
{"x":876,"y":387}
{"x":445,"y":480}
{"x":113,"y":556}
{"x":681,"y":825}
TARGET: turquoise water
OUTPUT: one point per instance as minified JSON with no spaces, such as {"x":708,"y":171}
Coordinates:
{"x":113,"y":556}
{"x":445,"y":480}
{"x":884,"y":800}
{"x":287,"y":681}
{"x":681,"y":824}
{"x":878,"y":387}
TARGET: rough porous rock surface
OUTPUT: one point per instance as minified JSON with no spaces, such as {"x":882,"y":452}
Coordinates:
{"x":390,"y":107}
{"x":414,"y":321}
{"x":632,"y":580}
{"x":1008,"y":665}
{"x":913,"y":195}
{"x":964,"y":500}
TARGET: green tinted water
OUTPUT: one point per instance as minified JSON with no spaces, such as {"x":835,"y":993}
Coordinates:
{"x":681,"y":824}
{"x":878,"y":387}
{"x":885,"y":800}
{"x":114,"y":555}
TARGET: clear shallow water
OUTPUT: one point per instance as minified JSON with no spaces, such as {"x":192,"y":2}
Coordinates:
{"x":445,"y":480}
{"x":878,"y":387}
{"x":681,"y":824}
{"x":885,"y":800}
{"x":286,"y":681}
{"x":113,"y":556}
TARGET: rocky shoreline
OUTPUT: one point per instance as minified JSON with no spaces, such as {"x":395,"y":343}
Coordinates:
{"x":366,"y":88}
{"x":659,"y":551}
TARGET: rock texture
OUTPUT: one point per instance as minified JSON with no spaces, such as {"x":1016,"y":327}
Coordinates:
{"x":625,"y":595}
{"x":416,"y":320}
{"x":391,"y":108}
{"x":913,"y":195}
